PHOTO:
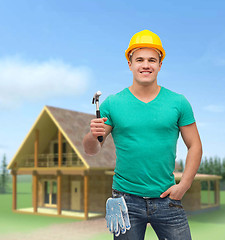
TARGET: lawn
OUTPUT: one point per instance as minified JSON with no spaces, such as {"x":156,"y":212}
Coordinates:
{"x":205,"y":226}
{"x":15,"y":222}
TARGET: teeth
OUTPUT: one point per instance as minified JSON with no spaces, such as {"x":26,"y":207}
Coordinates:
{"x":145,"y":72}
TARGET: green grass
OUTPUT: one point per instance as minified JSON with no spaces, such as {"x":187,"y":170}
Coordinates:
{"x":16,"y":222}
{"x":205,"y":195}
{"x":205,"y":226}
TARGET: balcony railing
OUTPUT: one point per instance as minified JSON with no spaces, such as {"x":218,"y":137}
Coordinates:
{"x":51,"y":160}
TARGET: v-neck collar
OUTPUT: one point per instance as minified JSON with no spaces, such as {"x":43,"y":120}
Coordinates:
{"x":153,"y":100}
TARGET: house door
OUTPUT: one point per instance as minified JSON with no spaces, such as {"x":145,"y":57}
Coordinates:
{"x":50,"y":193}
{"x":75,"y":195}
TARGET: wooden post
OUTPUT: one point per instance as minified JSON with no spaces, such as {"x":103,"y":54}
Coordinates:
{"x":35,"y":191}
{"x":14,"y":177}
{"x":86,"y":197}
{"x":36,"y":146}
{"x":217,"y":192}
{"x":59,"y":148}
{"x":209,"y":202}
{"x":59,"y":187}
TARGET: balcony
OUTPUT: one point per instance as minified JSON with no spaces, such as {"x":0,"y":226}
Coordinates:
{"x":51,"y":160}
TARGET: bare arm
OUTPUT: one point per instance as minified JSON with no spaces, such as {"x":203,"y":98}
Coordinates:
{"x":192,"y":140}
{"x":97,"y":128}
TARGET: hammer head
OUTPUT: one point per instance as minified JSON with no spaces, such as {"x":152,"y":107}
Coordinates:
{"x":96,"y":97}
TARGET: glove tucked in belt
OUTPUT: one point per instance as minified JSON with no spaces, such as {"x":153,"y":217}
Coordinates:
{"x":117,"y":216}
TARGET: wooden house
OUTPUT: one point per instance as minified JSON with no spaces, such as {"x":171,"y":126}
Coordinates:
{"x":65,"y":180}
{"x":198,"y":199}
{"x":195,"y":200}
{"x":68,"y":182}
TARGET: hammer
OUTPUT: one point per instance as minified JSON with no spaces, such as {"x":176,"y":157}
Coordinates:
{"x":96,"y":100}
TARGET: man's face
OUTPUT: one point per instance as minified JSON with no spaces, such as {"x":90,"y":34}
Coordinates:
{"x":145,"y":66}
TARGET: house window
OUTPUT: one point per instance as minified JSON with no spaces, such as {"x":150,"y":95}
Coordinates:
{"x":210,"y":191}
{"x":54,"y":192}
{"x":50,"y":193}
{"x":46,"y":192}
{"x":55,"y":151}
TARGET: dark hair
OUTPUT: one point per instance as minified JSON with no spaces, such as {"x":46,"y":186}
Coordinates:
{"x":130,"y":57}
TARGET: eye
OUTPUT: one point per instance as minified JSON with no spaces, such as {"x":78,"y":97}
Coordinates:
{"x":152,"y":60}
{"x":139,"y":60}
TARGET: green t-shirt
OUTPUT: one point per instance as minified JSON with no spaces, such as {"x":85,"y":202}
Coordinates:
{"x":145,"y":137}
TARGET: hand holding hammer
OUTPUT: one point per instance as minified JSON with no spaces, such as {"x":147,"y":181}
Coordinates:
{"x":96,"y":101}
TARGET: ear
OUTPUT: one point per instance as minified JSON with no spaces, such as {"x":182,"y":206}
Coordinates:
{"x":160,"y":65}
{"x":129,"y":65}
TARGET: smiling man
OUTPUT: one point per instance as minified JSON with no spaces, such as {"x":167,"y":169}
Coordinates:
{"x":145,"y":120}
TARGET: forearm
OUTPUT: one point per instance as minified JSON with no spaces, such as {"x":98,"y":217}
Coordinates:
{"x":193,"y":161}
{"x":91,"y":144}
{"x":192,"y":141}
{"x":97,"y":128}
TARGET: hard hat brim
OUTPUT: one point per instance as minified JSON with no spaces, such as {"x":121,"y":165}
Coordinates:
{"x":147,"y":45}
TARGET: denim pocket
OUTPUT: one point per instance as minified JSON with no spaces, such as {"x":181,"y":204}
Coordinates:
{"x":175,"y":203}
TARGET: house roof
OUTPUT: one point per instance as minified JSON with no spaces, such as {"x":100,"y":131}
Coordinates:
{"x":199,"y":176}
{"x":178,"y":176}
{"x":73,"y":125}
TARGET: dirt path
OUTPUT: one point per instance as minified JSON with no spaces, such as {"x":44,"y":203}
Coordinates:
{"x":83,"y":230}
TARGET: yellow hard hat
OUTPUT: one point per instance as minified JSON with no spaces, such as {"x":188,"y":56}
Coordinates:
{"x":143,"y":39}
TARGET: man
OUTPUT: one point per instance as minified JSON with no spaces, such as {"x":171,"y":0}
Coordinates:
{"x":145,"y":120}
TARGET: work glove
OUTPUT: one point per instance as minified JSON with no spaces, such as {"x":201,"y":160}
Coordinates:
{"x":117,"y":216}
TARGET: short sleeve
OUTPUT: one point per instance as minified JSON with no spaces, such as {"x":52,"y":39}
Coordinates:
{"x":105,"y":111}
{"x":186,"y":114}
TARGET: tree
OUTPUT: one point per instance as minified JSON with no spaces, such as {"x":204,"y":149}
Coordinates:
{"x":217,"y":166}
{"x":3,"y":175}
{"x":201,"y":167}
{"x":206,"y":166}
{"x":181,"y":164}
{"x":223,"y":169}
{"x":211,"y":166}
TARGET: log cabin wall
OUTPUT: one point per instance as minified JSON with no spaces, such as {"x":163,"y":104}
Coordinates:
{"x":100,"y":189}
{"x":192,"y":198}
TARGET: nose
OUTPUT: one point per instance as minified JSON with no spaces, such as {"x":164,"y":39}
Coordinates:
{"x":146,"y":64}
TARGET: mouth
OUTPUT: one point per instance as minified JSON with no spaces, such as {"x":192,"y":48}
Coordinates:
{"x":145,"y":72}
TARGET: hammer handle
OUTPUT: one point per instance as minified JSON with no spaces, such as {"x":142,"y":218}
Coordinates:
{"x":100,"y":138}
{"x":98,"y":114}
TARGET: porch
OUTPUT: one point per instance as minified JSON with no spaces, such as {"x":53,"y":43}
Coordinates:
{"x":52,"y":194}
{"x":64,"y":213}
{"x":51,"y":160}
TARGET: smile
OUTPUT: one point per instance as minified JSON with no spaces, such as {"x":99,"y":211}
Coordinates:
{"x":145,"y":72}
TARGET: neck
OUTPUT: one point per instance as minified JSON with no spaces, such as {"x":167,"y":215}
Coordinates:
{"x":143,"y":92}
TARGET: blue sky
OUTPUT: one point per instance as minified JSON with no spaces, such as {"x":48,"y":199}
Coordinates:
{"x":60,"y":53}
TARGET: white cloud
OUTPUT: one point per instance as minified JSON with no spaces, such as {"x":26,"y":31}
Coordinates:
{"x":21,"y":80}
{"x":215,"y":108}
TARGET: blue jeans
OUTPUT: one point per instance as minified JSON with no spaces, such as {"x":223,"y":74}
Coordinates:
{"x":166,"y":216}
